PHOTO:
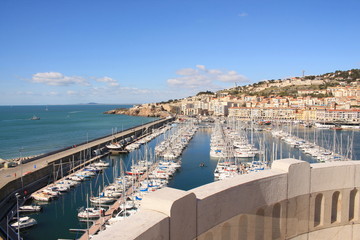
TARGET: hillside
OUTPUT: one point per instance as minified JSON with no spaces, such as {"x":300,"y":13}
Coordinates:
{"x":291,"y":86}
{"x":143,"y":111}
{"x":307,"y":86}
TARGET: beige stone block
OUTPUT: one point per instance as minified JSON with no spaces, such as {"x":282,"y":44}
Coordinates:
{"x":334,"y":233}
{"x":144,"y":225}
{"x":179,"y":205}
{"x":229,"y":198}
{"x":357,"y":173}
{"x":298,"y":216}
{"x":300,"y":237}
{"x":356,"y":231}
{"x":332,"y":175}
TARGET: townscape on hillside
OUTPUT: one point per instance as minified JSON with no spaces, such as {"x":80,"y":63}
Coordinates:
{"x":331,"y":97}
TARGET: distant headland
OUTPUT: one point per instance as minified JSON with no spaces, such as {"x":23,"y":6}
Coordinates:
{"x":144,"y":110}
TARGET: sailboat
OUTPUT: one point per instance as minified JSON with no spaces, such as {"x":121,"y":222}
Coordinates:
{"x":35,"y":118}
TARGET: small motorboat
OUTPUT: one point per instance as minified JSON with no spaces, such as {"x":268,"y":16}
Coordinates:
{"x":24,"y":222}
{"x":42,"y":196}
{"x":202,"y":165}
{"x":35,"y":118}
{"x":76,"y":178}
{"x":127,"y":205}
{"x":122,"y":215}
{"x":101,"y":164}
{"x":112,"y":194}
{"x":114,"y":146}
{"x":94,"y":212}
{"x":102,"y":200}
{"x":85,"y":174}
{"x":30,"y":208}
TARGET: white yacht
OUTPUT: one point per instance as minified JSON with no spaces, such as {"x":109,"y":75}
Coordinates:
{"x":30,"y":208}
{"x":114,"y":146}
{"x":24,"y":222}
{"x":94,"y":212}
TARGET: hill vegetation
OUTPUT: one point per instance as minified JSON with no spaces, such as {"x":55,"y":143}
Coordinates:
{"x":290,"y":87}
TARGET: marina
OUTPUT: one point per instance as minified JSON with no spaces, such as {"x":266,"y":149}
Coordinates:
{"x":195,"y":153}
{"x":179,"y":120}
{"x":109,"y":187}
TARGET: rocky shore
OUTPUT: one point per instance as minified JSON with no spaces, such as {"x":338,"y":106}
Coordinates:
{"x":148,"y":110}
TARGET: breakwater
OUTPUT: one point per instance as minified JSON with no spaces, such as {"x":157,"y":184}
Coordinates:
{"x":37,"y":172}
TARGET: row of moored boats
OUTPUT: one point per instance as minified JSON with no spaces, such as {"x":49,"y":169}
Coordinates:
{"x":321,"y":154}
{"x":235,"y":153}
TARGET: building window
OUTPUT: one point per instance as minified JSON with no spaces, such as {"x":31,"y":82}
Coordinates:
{"x":335,"y":207}
{"x":259,"y":225}
{"x":318,"y":210}
{"x":276,"y":214}
{"x":354,"y":205}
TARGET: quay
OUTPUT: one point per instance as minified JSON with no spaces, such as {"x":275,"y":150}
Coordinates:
{"x":99,"y":223}
{"x":35,"y":173}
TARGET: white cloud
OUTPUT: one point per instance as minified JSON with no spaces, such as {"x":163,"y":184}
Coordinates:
{"x":203,"y":78}
{"x":71,"y":92}
{"x":231,"y":76}
{"x":52,"y":93}
{"x":57,"y":79}
{"x":105,"y":79}
{"x":193,"y":81}
{"x":243,"y":14}
{"x":214,"y":71}
{"x":202,"y":67}
{"x":186,"y":71}
{"x":29,"y":93}
{"x":110,"y":81}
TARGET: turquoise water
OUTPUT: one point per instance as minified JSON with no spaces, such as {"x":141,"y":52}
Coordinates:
{"x":58,"y":127}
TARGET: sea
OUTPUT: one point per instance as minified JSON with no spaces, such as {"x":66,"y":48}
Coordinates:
{"x":61,"y":126}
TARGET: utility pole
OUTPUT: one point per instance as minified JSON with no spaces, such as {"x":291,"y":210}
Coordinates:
{"x":21,"y":172}
{"x":17,"y":195}
{"x":303,"y":73}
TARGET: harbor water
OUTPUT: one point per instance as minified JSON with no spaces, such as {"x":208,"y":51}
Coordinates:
{"x":60,"y":215}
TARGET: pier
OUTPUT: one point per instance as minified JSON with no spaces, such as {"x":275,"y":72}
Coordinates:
{"x":99,"y":223}
{"x":37,"y":172}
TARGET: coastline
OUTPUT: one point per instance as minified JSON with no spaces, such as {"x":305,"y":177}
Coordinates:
{"x":142,"y":111}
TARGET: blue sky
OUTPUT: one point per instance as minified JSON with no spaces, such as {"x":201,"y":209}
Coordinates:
{"x":136,"y":51}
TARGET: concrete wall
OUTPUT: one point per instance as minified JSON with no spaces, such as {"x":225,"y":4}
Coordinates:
{"x":294,"y":200}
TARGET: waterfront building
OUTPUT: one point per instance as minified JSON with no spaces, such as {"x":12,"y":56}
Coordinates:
{"x":307,"y":115}
{"x":248,"y":113}
{"x":338,"y":115}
